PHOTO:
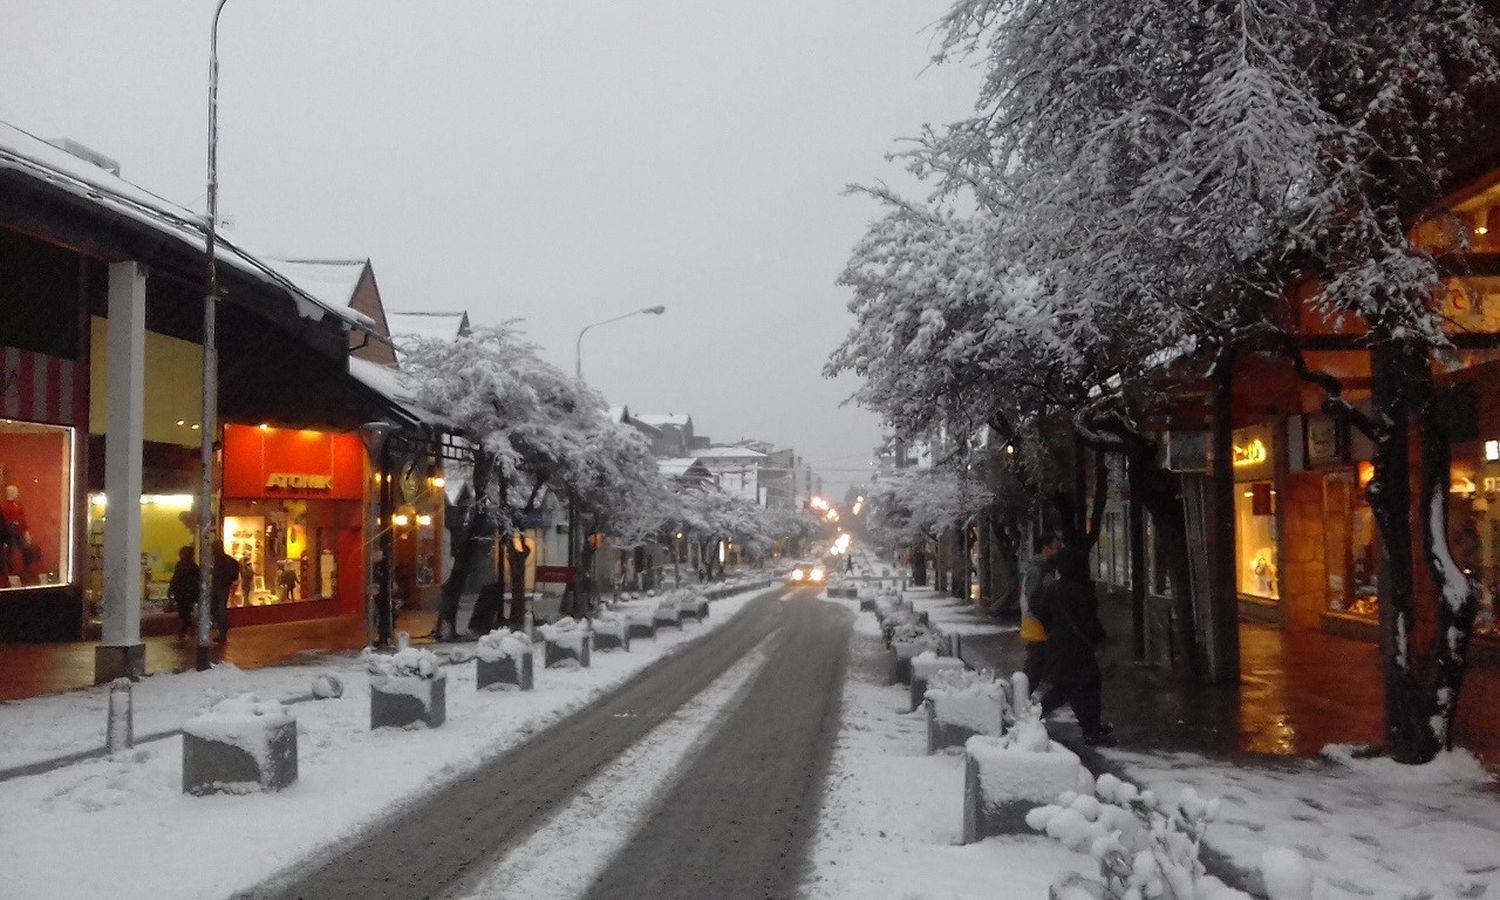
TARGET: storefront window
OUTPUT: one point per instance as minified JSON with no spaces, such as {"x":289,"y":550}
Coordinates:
{"x":1256,"y":531}
{"x":1351,"y":552}
{"x":36,"y":488}
{"x":281,"y":558}
{"x":166,"y":527}
{"x":1474,"y":536}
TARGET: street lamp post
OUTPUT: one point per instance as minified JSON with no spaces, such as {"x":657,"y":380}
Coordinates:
{"x":578,"y":347}
{"x":207,"y":526}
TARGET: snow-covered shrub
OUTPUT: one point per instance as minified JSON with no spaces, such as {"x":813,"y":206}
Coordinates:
{"x":973,"y":700}
{"x":1148,"y":849}
{"x":502,"y":643}
{"x":913,"y":632}
{"x":410,"y":662}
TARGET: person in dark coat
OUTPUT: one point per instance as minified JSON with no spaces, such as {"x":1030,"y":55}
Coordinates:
{"x":1069,"y":610}
{"x":182,"y":590}
{"x":226,"y":574}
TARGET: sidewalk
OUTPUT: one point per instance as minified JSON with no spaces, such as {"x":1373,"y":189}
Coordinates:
{"x":1299,"y":691}
{"x":32,"y":670}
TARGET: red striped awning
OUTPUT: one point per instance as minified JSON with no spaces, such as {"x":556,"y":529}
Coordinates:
{"x":36,"y":387}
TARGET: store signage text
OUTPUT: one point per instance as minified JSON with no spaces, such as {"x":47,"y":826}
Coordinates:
{"x":299,"y":482}
{"x":1252,"y":454}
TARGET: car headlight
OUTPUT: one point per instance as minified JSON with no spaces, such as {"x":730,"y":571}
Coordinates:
{"x":817,"y":575}
{"x":797,"y":575}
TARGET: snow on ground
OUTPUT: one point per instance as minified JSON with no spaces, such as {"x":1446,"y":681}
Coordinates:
{"x":892,"y":816}
{"x":1369,"y":829}
{"x":144,"y":838}
{"x":553,"y":862}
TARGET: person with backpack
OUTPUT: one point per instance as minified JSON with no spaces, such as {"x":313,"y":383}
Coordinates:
{"x":182,"y":590}
{"x":1069,"y":610}
{"x":1038,"y":576}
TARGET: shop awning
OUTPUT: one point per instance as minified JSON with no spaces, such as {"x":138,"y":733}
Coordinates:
{"x":391,"y":387}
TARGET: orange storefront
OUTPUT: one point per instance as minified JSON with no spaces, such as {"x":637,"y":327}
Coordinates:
{"x":291,"y":504}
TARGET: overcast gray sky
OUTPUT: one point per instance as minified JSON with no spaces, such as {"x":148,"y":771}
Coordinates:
{"x":555,"y":161}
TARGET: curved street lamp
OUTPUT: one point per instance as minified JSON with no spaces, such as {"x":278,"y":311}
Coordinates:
{"x":578,"y":347}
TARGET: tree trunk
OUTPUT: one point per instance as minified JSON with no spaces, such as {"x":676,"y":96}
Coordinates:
{"x":1157,"y":489}
{"x":469,"y":548}
{"x":1221,"y":646}
{"x":1006,"y":564}
{"x":1457,"y":594}
{"x":515,"y":565}
{"x":1410,"y":739}
{"x":919,"y":565}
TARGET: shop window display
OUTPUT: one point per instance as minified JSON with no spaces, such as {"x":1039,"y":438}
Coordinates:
{"x":166,"y":527}
{"x":1351,"y":552}
{"x":1256,"y":534}
{"x":1474,"y":537}
{"x":281,"y":558}
{"x":36,"y":486}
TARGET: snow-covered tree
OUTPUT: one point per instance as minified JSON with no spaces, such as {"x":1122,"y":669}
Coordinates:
{"x":916,"y":506}
{"x":534,"y":429}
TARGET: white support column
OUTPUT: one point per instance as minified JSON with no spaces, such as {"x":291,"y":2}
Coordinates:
{"x":121,"y":652}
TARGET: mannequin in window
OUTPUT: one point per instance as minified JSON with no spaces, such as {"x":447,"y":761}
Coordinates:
{"x":20,"y":552}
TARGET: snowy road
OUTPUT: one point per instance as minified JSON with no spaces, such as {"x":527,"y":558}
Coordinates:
{"x":700,"y":776}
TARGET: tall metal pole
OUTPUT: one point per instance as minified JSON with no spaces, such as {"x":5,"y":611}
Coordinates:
{"x":578,"y":345}
{"x":208,"y":427}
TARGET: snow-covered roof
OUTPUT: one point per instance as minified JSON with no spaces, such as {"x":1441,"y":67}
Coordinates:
{"x":656,"y":420}
{"x":390,"y":383}
{"x":619,"y":413}
{"x":730,"y":453}
{"x":333,"y":281}
{"x":437,"y":326}
{"x":32,"y":157}
{"x":676,"y":467}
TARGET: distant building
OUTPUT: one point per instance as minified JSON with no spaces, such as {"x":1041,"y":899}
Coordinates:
{"x":737,"y":470}
{"x":674,"y":433}
{"x":345,"y":283}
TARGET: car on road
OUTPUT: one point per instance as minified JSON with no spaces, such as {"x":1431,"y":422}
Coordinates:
{"x":806,"y":572}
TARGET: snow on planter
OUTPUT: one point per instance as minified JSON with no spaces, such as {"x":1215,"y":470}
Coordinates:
{"x":962,"y":704}
{"x":611,"y":631}
{"x":909,"y":640}
{"x":327,"y":686}
{"x":1005,"y":777}
{"x":240,"y":745}
{"x":640,"y":623}
{"x":504,"y":661}
{"x":566,"y":644}
{"x":407,"y":689}
{"x":925,"y":665}
{"x":692,"y":604}
{"x":667,"y":614}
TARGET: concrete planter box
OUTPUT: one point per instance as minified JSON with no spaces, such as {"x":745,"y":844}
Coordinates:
{"x":1001,"y":785}
{"x":923,"y":669}
{"x":406,"y":701}
{"x":604,"y":640}
{"x":662,"y":618}
{"x":1073,"y":886}
{"x":901,"y":656}
{"x":556,"y":653}
{"x":239,"y":753}
{"x":697,"y":610}
{"x":640,"y":625}
{"x":867,"y":604}
{"x":505,"y":670}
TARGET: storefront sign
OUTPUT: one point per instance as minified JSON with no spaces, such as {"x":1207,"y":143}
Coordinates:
{"x":300,"y":482}
{"x":36,"y":387}
{"x":1492,"y":451}
{"x":1251,"y":453}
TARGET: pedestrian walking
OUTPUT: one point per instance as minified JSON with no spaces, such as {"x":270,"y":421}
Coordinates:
{"x":182,"y":590}
{"x":1069,"y":610}
{"x":1037,"y":578}
{"x":226,"y":574}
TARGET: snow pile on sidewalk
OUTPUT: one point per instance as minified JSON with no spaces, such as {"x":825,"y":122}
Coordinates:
{"x":502,"y":643}
{"x":892,"y":817}
{"x":1368,"y":828}
{"x":610,"y":623}
{"x":138,"y":826}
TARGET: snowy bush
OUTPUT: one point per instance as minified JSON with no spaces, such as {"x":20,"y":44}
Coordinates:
{"x":327,"y":686}
{"x":502,"y":643}
{"x":410,"y":662}
{"x":1147,"y":848}
{"x":914,"y":632}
